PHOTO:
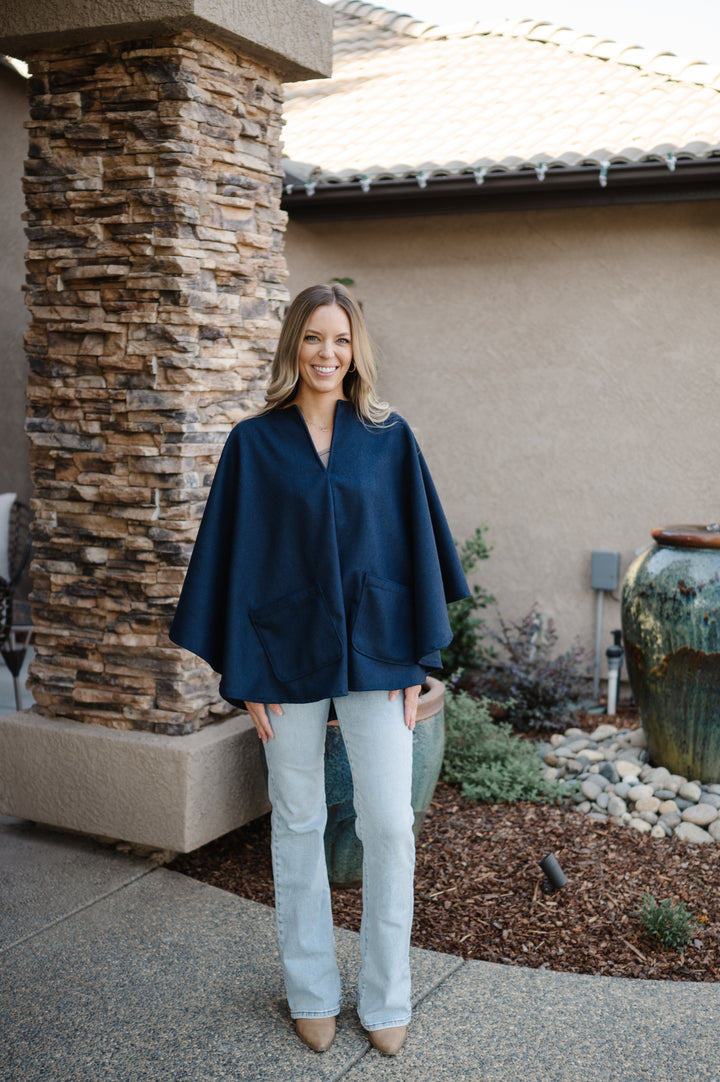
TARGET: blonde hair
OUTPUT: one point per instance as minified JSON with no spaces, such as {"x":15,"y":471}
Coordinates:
{"x":359,"y":383}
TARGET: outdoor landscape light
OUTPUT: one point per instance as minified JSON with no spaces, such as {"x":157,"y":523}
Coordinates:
{"x":554,"y":876}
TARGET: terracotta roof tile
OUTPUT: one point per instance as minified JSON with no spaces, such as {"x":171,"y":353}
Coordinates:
{"x":408,"y":98}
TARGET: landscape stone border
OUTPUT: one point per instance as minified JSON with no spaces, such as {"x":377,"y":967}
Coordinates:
{"x":609,"y":778}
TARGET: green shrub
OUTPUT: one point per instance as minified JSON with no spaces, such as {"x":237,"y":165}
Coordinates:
{"x":468,"y":628}
{"x":488,"y":761}
{"x":671,"y":923}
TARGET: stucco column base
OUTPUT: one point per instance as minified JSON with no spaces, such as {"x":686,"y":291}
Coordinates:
{"x":169,"y":792}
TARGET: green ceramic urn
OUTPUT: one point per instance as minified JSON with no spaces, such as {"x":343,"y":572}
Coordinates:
{"x":343,"y":848}
{"x":671,"y":632}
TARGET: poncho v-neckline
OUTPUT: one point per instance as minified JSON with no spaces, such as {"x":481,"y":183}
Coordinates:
{"x":327,"y":451}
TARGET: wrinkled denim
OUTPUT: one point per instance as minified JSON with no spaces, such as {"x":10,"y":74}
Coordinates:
{"x":379,"y":747}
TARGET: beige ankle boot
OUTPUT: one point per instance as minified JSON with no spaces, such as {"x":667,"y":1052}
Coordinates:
{"x":316,"y":1033}
{"x":388,"y":1041}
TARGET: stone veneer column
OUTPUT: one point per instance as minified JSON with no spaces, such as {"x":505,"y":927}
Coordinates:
{"x":155,"y":284}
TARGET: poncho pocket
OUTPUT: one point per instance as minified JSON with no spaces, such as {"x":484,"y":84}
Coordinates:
{"x":384,"y":627}
{"x":297,"y":634}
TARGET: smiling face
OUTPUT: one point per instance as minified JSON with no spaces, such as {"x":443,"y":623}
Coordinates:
{"x":325,"y":352}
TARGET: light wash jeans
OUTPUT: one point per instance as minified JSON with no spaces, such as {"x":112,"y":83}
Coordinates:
{"x":379,"y":747}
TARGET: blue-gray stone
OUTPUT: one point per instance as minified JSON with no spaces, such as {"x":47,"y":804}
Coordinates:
{"x":710,"y":798}
{"x":591,"y":789}
{"x":609,"y":771}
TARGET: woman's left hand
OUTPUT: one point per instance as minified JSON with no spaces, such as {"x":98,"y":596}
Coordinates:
{"x":411,"y":703}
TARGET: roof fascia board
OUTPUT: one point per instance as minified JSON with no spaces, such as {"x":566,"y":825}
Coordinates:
{"x":650,"y":182}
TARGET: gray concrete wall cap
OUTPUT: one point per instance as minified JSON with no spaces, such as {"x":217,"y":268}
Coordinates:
{"x":293,"y":37}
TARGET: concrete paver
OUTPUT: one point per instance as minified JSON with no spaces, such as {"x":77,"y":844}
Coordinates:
{"x":118,"y":970}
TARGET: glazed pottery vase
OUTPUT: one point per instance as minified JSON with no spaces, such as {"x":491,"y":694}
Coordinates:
{"x":671,"y":632}
{"x":343,"y":848}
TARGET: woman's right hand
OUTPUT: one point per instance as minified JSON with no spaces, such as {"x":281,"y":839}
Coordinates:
{"x":260,"y":720}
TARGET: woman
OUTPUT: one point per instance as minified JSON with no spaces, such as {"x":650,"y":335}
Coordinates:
{"x":320,"y":575}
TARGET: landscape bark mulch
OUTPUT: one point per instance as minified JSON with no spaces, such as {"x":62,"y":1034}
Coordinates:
{"x":479,"y":895}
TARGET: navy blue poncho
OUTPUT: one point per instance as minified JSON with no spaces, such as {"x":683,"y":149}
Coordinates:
{"x":307,"y":582}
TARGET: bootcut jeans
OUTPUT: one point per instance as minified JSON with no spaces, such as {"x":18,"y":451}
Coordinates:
{"x":379,"y":749}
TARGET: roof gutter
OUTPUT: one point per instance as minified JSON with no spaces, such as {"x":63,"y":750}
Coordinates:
{"x":669,"y":181}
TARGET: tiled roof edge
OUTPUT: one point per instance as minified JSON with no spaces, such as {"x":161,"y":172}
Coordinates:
{"x":658,"y":61}
{"x":390,"y":20}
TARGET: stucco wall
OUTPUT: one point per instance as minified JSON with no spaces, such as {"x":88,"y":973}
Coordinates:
{"x":14,"y":469}
{"x":561,"y":371}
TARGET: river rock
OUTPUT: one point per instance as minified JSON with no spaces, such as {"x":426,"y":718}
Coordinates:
{"x":691,"y":790}
{"x":666,"y":794}
{"x":592,"y":790}
{"x":603,"y":732}
{"x":592,"y":755}
{"x":637,"y":792}
{"x":577,"y":745}
{"x":710,"y":798}
{"x":647,"y":804}
{"x":700,"y":814}
{"x":625,"y":768}
{"x":608,"y":770}
{"x":654,"y":775}
{"x":690,"y":832}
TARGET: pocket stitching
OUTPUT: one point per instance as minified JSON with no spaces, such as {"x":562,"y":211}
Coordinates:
{"x":282,"y":602}
{"x":397,"y":588}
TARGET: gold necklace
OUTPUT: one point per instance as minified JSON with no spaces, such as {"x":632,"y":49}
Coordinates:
{"x":314,"y":424}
